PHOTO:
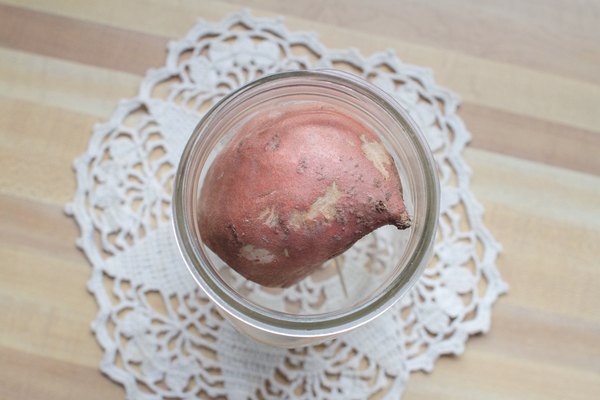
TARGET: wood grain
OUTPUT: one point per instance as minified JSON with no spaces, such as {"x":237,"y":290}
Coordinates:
{"x":531,"y":219}
{"x":532,"y":138}
{"x":527,"y":72}
{"x":46,"y":347}
{"x":509,"y":133}
{"x":32,"y":376}
{"x":38,"y":143}
{"x":508,"y":87}
{"x":71,"y":39}
{"x":536,"y":34}
{"x":56,"y":83}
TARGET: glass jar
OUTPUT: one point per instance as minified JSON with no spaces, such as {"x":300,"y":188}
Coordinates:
{"x":351,"y":289}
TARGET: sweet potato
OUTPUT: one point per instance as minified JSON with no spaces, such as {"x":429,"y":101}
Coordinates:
{"x":294,"y":188}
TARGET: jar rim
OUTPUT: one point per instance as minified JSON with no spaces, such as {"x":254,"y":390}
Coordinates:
{"x":277,"y":322}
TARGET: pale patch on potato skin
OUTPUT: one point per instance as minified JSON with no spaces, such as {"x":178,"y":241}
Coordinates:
{"x":324,"y":205}
{"x":269,"y":217}
{"x":256,"y":254}
{"x":377,"y":154}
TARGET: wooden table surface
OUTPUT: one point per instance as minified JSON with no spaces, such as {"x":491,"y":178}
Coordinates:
{"x":529,"y":75}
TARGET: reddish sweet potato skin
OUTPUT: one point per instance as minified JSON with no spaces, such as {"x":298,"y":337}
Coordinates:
{"x":295,"y":188}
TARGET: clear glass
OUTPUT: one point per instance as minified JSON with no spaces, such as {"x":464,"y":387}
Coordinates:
{"x":267,"y":314}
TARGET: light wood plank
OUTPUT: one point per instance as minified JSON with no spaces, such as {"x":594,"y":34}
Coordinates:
{"x":79,"y":41}
{"x":151,"y":17}
{"x":35,"y":377}
{"x":43,"y":227}
{"x":507,"y":87}
{"x":548,"y":222}
{"x":37,"y":148}
{"x":531,"y":138}
{"x":541,"y":336}
{"x":559,"y":195}
{"x":58,"y":321}
{"x":543,"y":35}
{"x":524,"y":348}
{"x":528,"y":354}
{"x":490,"y":375}
{"x":50,"y":330}
{"x":62,"y":84}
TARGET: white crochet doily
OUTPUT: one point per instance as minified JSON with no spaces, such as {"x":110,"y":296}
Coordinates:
{"x":161,"y":337}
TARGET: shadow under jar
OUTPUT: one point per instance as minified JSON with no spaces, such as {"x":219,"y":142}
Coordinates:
{"x":350,"y":289}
